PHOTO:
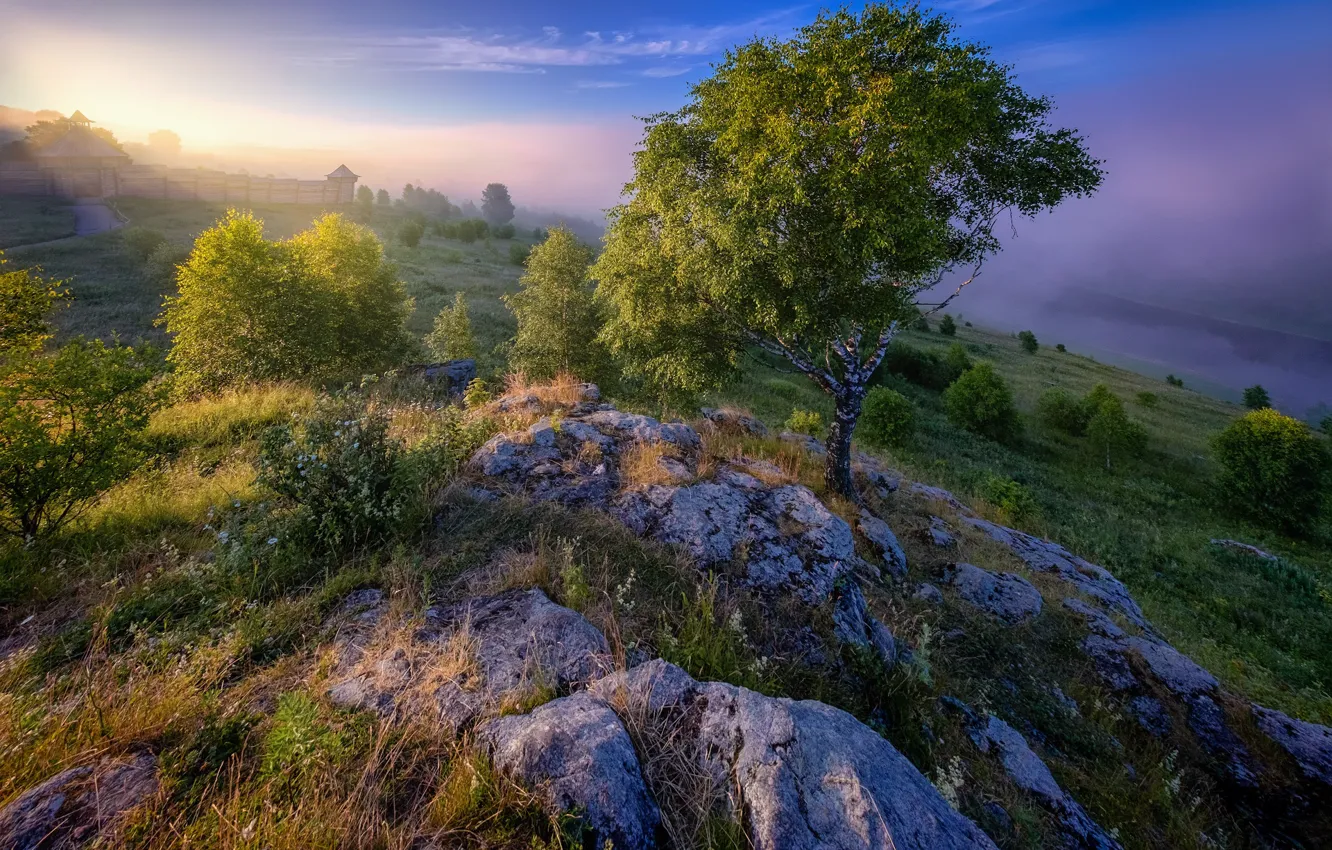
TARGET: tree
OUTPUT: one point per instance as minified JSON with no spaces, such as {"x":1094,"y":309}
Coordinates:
{"x":164,"y":142}
{"x":365,"y":199}
{"x":981,"y":402}
{"x":411,"y":232}
{"x":252,"y":310}
{"x":43,"y":133}
{"x":811,"y":191}
{"x":1273,"y":469}
{"x":495,"y":204}
{"x":70,"y":426}
{"x":26,"y":303}
{"x":1110,"y":432}
{"x":451,"y":338}
{"x":1256,"y":398}
{"x":558,"y":318}
{"x":1326,"y":425}
{"x":1028,"y":341}
{"x":1174,"y":382}
{"x":382,"y":198}
{"x":947,"y":326}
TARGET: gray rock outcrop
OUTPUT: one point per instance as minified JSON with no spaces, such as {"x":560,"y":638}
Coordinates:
{"x":79,"y":805}
{"x":1308,"y":743}
{"x":1008,"y":596}
{"x":877,"y":532}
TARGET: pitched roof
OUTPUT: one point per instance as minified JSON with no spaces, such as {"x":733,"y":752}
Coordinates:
{"x":79,"y":118}
{"x":80,"y":142}
{"x":342,"y":171}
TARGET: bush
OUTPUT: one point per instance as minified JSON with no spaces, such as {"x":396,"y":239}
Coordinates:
{"x":1029,"y":343}
{"x":1060,"y":348}
{"x":71,"y":425}
{"x":1061,"y":410}
{"x":26,"y":302}
{"x":518,"y":253}
{"x":1326,"y":425}
{"x":1173,"y":381}
{"x":947,"y":326}
{"x":1015,"y":501}
{"x":253,"y":310}
{"x":887,"y":418}
{"x":1256,"y":398}
{"x":451,"y":338}
{"x":1147,"y":399}
{"x":505,"y":231}
{"x":924,"y":368}
{"x":410,"y":233}
{"x":956,"y":361}
{"x":141,"y":242}
{"x":161,"y":265}
{"x":1111,"y":433}
{"x":807,"y":422}
{"x":558,"y":318}
{"x":981,"y":402}
{"x":922,"y":324}
{"x":1272,"y":469}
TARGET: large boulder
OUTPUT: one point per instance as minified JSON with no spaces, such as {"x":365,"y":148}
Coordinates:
{"x":1308,"y":743}
{"x":877,"y":532}
{"x":576,"y":755}
{"x":1008,"y":596}
{"x":799,"y":775}
{"x":453,"y":375}
{"x":78,"y":806}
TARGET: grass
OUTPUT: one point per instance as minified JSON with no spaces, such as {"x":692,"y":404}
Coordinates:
{"x":25,"y":220}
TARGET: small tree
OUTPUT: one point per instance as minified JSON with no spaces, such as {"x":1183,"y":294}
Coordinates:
{"x":410,"y":233}
{"x":1060,"y":348}
{"x":981,"y":402}
{"x":1029,"y":343}
{"x":365,"y":201}
{"x":1174,"y":382}
{"x":70,"y":427}
{"x":956,"y":361}
{"x":1273,"y":469}
{"x":1256,"y":398}
{"x":26,"y":303}
{"x":1326,"y":425}
{"x":451,"y":338}
{"x":518,"y":253}
{"x":1061,"y":410}
{"x":382,"y":198}
{"x":888,"y":418}
{"x":558,"y":319}
{"x":1112,"y":434}
{"x":496,"y":205}
{"x":947,"y":326}
{"x":793,"y":205}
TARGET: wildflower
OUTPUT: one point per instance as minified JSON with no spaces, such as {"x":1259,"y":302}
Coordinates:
{"x":272,"y":541}
{"x":223,"y":536}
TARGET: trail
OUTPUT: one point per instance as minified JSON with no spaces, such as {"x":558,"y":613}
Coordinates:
{"x":90,"y":218}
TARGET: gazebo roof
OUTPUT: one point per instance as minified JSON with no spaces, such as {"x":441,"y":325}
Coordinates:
{"x":80,"y":142}
{"x":342,"y":171}
{"x":79,"y":118}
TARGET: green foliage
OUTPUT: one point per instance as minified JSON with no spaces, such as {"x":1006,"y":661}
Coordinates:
{"x":162,"y":263}
{"x":887,"y":418}
{"x":1029,"y":343}
{"x":518,"y":253}
{"x":451,"y":338}
{"x":947,"y":326}
{"x":808,"y":422}
{"x":981,"y":402}
{"x":1256,"y":397}
{"x":382,"y":198}
{"x":410,"y":233}
{"x":1326,"y":425}
{"x":141,"y":242}
{"x":253,"y":310}
{"x":343,"y":471}
{"x":300,"y":744}
{"x":1272,"y":469}
{"x":956,"y":361}
{"x":1060,"y":348}
{"x":26,"y":302}
{"x":476,"y":395}
{"x":71,"y":425}
{"x":496,"y":205}
{"x":558,"y":318}
{"x":925,"y":368}
{"x":1061,"y":410}
{"x":1111,"y":433}
{"x":922,"y":324}
{"x":711,"y":644}
{"x":1016,"y":502}
{"x":1173,"y":381}
{"x":505,"y":231}
{"x":1147,"y":399}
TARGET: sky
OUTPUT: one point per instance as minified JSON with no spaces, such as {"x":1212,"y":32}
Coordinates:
{"x":1214,"y":120}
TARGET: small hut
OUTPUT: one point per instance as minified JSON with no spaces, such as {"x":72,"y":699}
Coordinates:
{"x":346,"y":182}
{"x":80,"y":164}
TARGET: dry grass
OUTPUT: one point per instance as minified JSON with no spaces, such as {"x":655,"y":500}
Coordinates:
{"x":563,"y":390}
{"x":640,"y":465}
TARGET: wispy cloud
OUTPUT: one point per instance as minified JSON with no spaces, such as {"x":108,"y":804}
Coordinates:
{"x":601,"y":84}
{"x":660,"y":71}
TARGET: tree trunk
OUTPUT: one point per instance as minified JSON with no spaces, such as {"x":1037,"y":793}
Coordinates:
{"x":837,"y":467}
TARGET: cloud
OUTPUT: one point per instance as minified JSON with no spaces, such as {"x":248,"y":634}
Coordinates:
{"x":661,"y":71}
{"x":601,"y":84}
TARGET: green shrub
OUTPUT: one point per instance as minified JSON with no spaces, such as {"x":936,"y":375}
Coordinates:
{"x":1016,"y":502}
{"x":1272,"y":469}
{"x":558,"y":318}
{"x":451,"y":338}
{"x":1326,"y":425}
{"x":476,"y":395}
{"x":301,"y":744}
{"x":1173,"y":381}
{"x":808,"y":422}
{"x":1099,"y":396}
{"x":141,"y":242}
{"x":504,"y":231}
{"x":27,"y":301}
{"x":410,"y":233}
{"x":922,"y":324}
{"x":1061,"y":410}
{"x":981,"y":402}
{"x":1147,"y":399}
{"x":161,"y":265}
{"x":518,"y":253}
{"x":923,"y":368}
{"x":1060,"y":348}
{"x":71,"y":425}
{"x":947,"y":326}
{"x":956,"y":361}
{"x":1110,"y":432}
{"x":1029,"y":343}
{"x":1256,"y":397}
{"x":887,"y":418}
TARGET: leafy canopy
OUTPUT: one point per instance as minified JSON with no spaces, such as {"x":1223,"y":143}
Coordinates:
{"x":1274,"y":469}
{"x":26,"y":302}
{"x":558,"y":318}
{"x":251,"y":310}
{"x":496,"y":205}
{"x":812,"y":188}
{"x":451,"y":338}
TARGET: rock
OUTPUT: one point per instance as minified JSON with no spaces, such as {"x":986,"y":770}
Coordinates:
{"x":937,"y":494}
{"x":1030,"y":774}
{"x":576,"y":756}
{"x":79,"y":805}
{"x":1043,"y":556}
{"x":853,"y":624}
{"x":804,"y":441}
{"x":939,"y":535}
{"x":1245,"y":548}
{"x":1151,"y":715}
{"x":467,"y":657}
{"x":1208,"y":723}
{"x":589,"y":392}
{"x":1008,"y":596}
{"x":876,"y":531}
{"x":883,"y":482}
{"x":455,"y":375}
{"x":735,"y":421}
{"x":927,"y":592}
{"x":1308,"y":743}
{"x":1069,"y":704}
{"x":798,"y":775}
{"x":1176,"y":671}
{"x":1108,"y":658}
{"x":1097,"y":620}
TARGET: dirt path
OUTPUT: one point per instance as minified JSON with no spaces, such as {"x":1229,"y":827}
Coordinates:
{"x":90,"y":218}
